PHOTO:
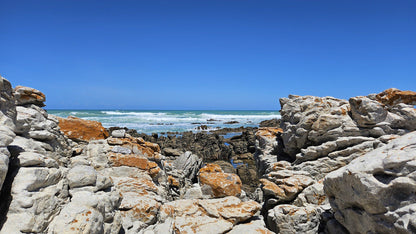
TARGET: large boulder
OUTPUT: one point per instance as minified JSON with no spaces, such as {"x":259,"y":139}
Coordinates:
{"x":377,"y":190}
{"x":82,"y":130}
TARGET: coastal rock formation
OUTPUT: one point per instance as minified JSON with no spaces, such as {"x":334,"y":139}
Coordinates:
{"x":332,"y":164}
{"x":318,"y":136}
{"x":82,"y":130}
{"x":7,"y":125}
{"x":377,"y":190}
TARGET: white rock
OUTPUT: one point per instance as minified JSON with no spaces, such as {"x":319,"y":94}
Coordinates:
{"x":377,"y":190}
{"x":81,"y":175}
{"x":119,"y":133}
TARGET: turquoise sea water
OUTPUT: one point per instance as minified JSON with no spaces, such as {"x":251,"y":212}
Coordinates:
{"x":170,"y":121}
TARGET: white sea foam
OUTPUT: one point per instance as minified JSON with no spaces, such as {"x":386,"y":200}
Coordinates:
{"x":171,"y":121}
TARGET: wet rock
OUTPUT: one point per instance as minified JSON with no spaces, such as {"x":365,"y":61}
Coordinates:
{"x":274,"y":123}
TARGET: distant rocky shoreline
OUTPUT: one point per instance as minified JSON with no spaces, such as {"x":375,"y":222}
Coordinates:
{"x":327,"y":165}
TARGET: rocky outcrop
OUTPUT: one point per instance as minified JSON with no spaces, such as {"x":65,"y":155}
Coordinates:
{"x":318,"y":136}
{"x":125,"y":184}
{"x":36,"y":188}
{"x":82,"y":130}
{"x":7,"y":125}
{"x":377,"y":190}
{"x":210,"y":146}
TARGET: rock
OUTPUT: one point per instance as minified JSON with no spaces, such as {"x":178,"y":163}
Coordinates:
{"x":313,"y":194}
{"x":137,"y":146}
{"x":7,"y":125}
{"x":215,"y":183}
{"x":293,"y":219}
{"x":377,"y":190}
{"x":136,"y":161}
{"x":256,"y":226}
{"x":86,"y":213}
{"x":367,"y":112}
{"x":7,"y":103}
{"x":275,"y":123}
{"x":80,"y":176}
{"x":26,"y":95}
{"x":140,"y":201}
{"x":119,"y":133}
{"x":82,"y":130}
{"x":171,"y":152}
{"x":311,"y":120}
{"x":189,"y":164}
{"x":194,"y":192}
{"x":205,"y":216}
{"x":231,"y":122}
{"x":225,"y":166}
{"x":289,"y":183}
{"x":209,"y":147}
{"x":120,"y":150}
{"x":394,"y":96}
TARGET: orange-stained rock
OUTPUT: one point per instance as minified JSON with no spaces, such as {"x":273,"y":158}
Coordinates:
{"x":394,"y":96}
{"x":271,"y":189}
{"x":82,"y":130}
{"x":211,"y":167}
{"x":269,"y":132}
{"x":285,"y":184}
{"x":173,"y":182}
{"x":132,"y":160}
{"x":138,"y":146}
{"x":207,"y":215}
{"x":218,"y":184}
{"x":26,"y":95}
{"x":138,"y":198}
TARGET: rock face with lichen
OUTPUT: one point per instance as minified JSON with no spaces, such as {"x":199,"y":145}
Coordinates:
{"x":69,"y":176}
{"x":82,"y":130}
{"x":331,"y":164}
{"x":318,"y":136}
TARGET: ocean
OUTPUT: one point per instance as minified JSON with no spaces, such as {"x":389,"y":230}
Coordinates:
{"x":171,"y":121}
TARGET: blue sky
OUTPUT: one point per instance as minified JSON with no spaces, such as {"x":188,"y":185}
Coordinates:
{"x":206,"y":54}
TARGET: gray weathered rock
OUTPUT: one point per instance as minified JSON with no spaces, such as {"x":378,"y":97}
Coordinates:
{"x":188,"y":163}
{"x":293,"y":219}
{"x":119,"y":133}
{"x":121,"y":150}
{"x":377,"y":190}
{"x":80,"y":176}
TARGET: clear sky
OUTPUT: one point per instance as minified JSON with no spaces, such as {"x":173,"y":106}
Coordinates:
{"x":206,"y":54}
